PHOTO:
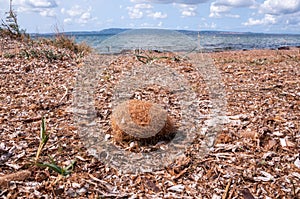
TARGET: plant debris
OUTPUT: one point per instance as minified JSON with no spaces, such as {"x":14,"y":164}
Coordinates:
{"x":256,"y":154}
{"x":142,"y":121}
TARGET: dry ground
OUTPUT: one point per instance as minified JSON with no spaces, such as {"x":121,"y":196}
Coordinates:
{"x":255,"y":155}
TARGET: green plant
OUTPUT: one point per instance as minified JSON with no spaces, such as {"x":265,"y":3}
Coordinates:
{"x":44,"y":137}
{"x":9,"y":55}
{"x":24,"y":53}
{"x":62,"y":171}
{"x":50,"y":55}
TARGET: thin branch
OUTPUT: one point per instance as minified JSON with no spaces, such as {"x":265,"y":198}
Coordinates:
{"x":66,"y":93}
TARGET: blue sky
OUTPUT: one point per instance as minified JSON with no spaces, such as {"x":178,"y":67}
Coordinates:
{"x":274,"y":16}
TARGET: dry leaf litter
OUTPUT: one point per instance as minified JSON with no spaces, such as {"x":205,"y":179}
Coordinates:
{"x":256,"y":155}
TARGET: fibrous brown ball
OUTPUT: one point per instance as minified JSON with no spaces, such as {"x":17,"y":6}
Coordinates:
{"x":144,"y":121}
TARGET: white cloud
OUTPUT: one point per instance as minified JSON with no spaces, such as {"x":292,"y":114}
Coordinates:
{"x":85,"y":17}
{"x":207,"y":25}
{"x":134,"y":13}
{"x":236,"y":3}
{"x":217,"y":10}
{"x":31,"y":5}
{"x":278,"y":7}
{"x":75,"y":11}
{"x":187,"y":10}
{"x":283,"y":14}
{"x":48,"y":13}
{"x":67,"y":20}
{"x":146,"y":25}
{"x":232,"y":16}
{"x":137,"y":12}
{"x":170,"y":1}
{"x":151,"y":25}
{"x":78,"y":14}
{"x":221,"y":8}
{"x":267,"y":20}
{"x":187,"y":13}
{"x":41,"y":3}
{"x":143,"y":6}
{"x":213,"y":25}
{"x":43,"y":7}
{"x":157,"y":15}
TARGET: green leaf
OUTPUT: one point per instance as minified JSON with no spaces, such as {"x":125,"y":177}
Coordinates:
{"x":71,"y":166}
{"x":52,"y":159}
{"x":54,"y":167}
{"x":62,"y":171}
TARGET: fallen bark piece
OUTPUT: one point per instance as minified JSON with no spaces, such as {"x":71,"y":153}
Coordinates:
{"x":177,"y":188}
{"x":297,"y":163}
{"x":265,"y":178}
{"x":246,"y":194}
{"x":18,"y":176}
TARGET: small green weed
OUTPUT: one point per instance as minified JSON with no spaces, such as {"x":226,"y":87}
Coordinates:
{"x":44,"y":137}
{"x":62,"y":171}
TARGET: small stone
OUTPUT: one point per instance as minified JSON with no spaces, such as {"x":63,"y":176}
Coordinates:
{"x":132,"y":144}
{"x":107,"y":136}
{"x":216,"y":196}
{"x":297,"y":163}
{"x":81,"y":191}
{"x":75,"y":185}
{"x":71,"y":193}
{"x":177,"y":188}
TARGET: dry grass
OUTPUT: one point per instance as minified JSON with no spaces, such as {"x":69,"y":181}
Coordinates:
{"x":24,"y":37}
{"x":62,"y":41}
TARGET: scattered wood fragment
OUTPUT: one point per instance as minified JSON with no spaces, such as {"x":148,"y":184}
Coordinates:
{"x":17,"y":176}
{"x":246,"y":194}
{"x":263,"y":100}
{"x":225,"y":194}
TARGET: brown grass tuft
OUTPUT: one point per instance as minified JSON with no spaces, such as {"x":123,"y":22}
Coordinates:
{"x":158,"y":123}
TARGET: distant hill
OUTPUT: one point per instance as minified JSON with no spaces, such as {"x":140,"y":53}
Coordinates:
{"x":187,"y":32}
{"x":114,"y":31}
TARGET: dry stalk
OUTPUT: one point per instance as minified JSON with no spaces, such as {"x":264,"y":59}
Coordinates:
{"x":66,"y":89}
{"x":225,"y":194}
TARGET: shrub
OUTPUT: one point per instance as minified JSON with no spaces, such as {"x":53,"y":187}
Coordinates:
{"x":63,"y":41}
{"x":10,"y":26}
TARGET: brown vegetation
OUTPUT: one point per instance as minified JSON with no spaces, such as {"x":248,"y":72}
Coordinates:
{"x":256,"y":154}
{"x":144,"y":122}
